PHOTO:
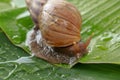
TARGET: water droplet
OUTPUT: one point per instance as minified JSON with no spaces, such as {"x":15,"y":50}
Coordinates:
{"x":15,"y":3}
{"x":115,"y":39}
{"x":106,"y":36}
{"x":23,"y":15}
{"x":63,"y":76}
{"x":14,"y":37}
{"x":38,"y":74}
{"x":97,"y":57}
{"x":24,"y":60}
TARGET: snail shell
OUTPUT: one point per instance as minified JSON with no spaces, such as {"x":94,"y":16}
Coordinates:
{"x":58,"y":20}
{"x":58,"y":24}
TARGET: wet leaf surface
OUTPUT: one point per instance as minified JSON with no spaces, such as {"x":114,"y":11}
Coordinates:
{"x":99,"y":17}
{"x":15,"y":64}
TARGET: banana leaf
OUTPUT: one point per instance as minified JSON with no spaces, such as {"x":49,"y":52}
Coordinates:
{"x":99,"y":17}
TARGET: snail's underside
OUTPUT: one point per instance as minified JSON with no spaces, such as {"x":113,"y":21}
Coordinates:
{"x":52,"y":54}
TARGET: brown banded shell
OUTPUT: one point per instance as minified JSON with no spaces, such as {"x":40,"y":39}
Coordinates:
{"x":56,"y":35}
{"x":58,"y":20}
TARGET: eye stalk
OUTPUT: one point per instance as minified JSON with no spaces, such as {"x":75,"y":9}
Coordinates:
{"x":81,"y":47}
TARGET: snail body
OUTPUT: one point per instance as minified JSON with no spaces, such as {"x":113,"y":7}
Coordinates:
{"x":58,"y":23}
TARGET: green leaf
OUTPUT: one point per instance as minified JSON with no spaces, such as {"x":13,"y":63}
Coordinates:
{"x":99,"y":17}
{"x":12,"y":57}
{"x":6,"y":5}
{"x":15,"y":27}
{"x":16,"y":64}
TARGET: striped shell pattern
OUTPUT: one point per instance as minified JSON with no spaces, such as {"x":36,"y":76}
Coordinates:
{"x":58,"y":21}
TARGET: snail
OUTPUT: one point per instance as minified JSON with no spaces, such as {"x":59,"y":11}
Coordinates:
{"x":56,"y":36}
